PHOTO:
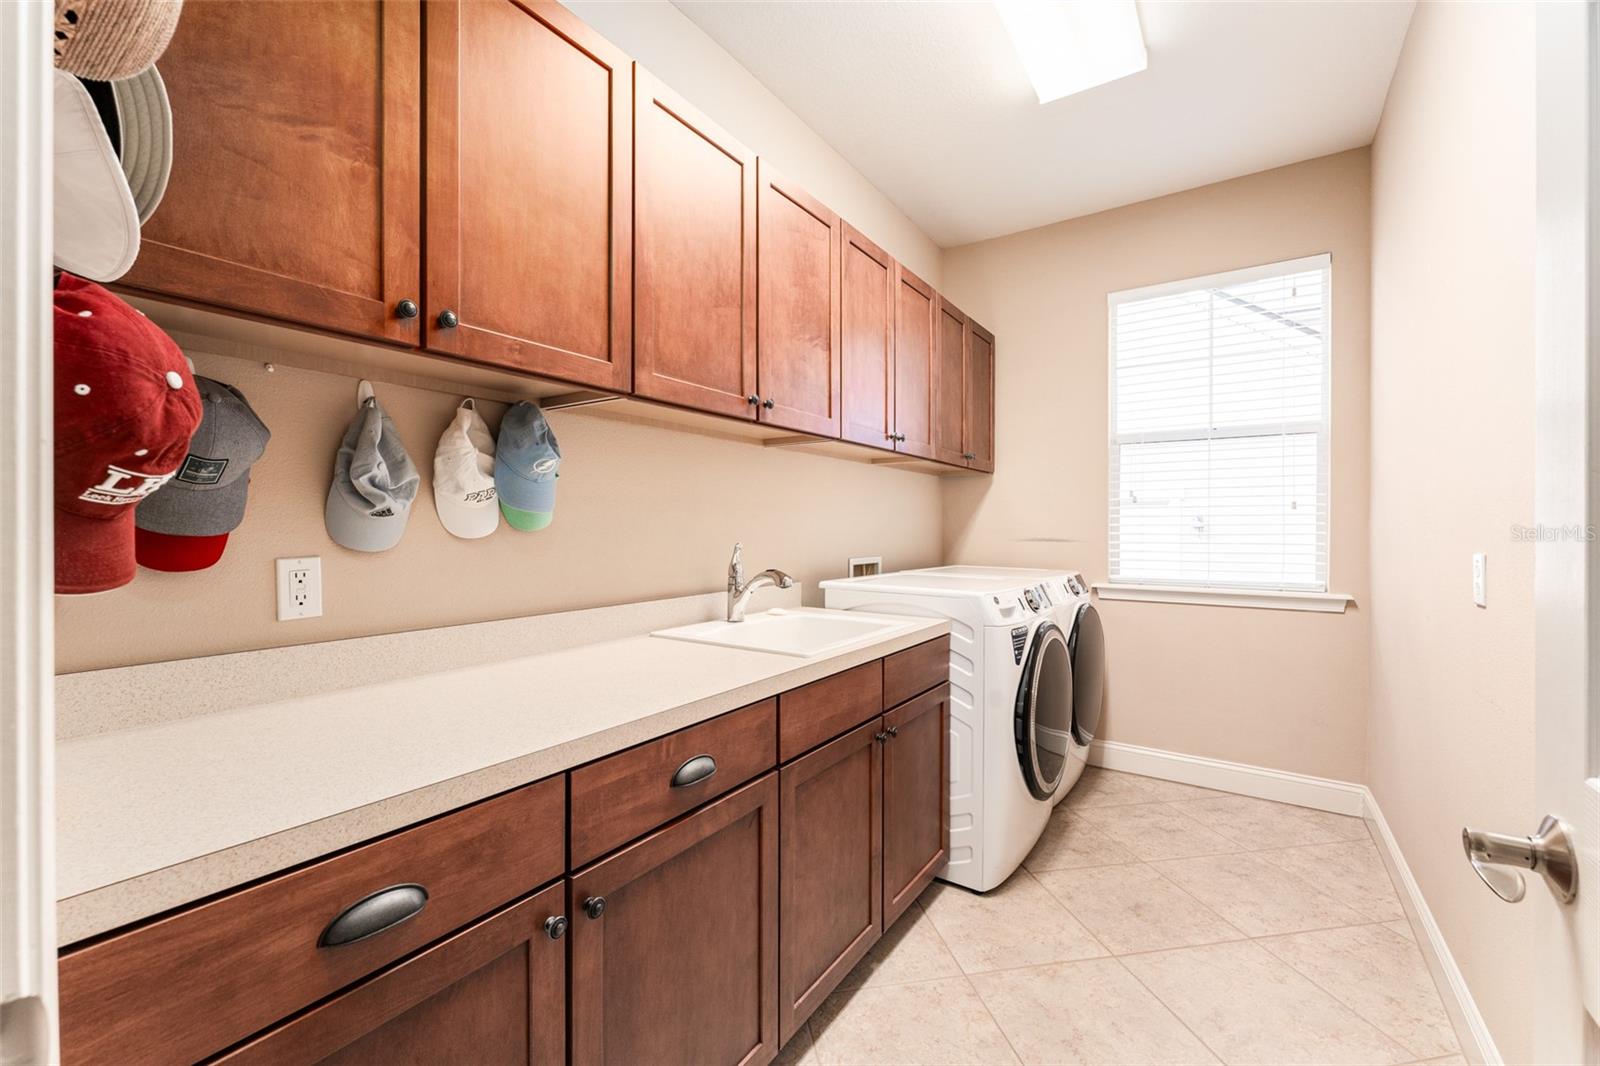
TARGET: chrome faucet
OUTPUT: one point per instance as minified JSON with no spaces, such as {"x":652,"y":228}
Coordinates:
{"x":739,"y":589}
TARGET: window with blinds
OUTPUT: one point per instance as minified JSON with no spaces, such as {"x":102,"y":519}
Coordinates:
{"x":1219,"y":430}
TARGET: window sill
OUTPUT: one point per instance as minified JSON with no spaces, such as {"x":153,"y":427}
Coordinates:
{"x":1263,"y":599}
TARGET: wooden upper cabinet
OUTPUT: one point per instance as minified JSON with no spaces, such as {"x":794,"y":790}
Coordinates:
{"x":797,"y":314}
{"x":950,"y":385}
{"x":529,"y":191}
{"x":866,"y":342}
{"x":295,"y":187}
{"x":915,"y":344}
{"x":694,"y":253}
{"x":495,"y":992}
{"x":916,"y":798}
{"x":680,"y":962}
{"x":979,"y":435}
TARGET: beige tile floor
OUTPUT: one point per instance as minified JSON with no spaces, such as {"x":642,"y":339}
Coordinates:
{"x":1153,"y":923}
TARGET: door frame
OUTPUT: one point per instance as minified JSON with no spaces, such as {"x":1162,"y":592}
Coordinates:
{"x":1567,"y":502}
{"x":27,"y":548}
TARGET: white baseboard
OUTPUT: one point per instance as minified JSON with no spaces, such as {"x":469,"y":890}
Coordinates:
{"x":1340,"y":797}
{"x":1322,"y":793}
{"x":1477,"y":1044}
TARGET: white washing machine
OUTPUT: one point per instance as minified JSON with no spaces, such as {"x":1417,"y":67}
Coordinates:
{"x":1015,"y":747}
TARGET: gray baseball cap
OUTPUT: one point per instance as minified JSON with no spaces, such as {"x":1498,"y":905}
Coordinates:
{"x":185,"y":524}
{"x":374,"y":482}
{"x":527,"y":461}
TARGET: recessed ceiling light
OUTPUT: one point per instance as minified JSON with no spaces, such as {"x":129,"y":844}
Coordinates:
{"x":1067,"y":46}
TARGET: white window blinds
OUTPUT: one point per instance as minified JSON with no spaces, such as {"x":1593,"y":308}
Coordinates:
{"x":1219,"y":430}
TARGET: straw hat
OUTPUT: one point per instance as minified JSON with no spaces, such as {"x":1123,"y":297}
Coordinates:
{"x":111,"y":39}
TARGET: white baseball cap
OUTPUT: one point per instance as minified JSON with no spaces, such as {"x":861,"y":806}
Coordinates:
{"x":463,"y":476}
{"x":96,"y":220}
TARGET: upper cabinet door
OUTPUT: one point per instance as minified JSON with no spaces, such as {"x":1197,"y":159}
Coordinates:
{"x":866,"y":342}
{"x":950,"y":385}
{"x":915,"y":340}
{"x":295,"y":188}
{"x":694,"y":257}
{"x":979,"y":436}
{"x":529,"y":191}
{"x":797,"y":267}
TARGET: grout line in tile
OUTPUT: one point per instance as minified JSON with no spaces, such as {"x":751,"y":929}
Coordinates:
{"x":1168,"y":1008}
{"x":1351,"y":1007}
{"x":1245,"y":938}
{"x":1051,"y":896}
{"x":993,"y":1020}
{"x":1330,"y":994}
{"x":1202,"y":904}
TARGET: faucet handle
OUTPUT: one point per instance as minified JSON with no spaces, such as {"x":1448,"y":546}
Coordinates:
{"x":736,"y":564}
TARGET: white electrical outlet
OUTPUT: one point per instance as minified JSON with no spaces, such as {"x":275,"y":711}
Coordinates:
{"x":1480,"y":577}
{"x":299,"y":588}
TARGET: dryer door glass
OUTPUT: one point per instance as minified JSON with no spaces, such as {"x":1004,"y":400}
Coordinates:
{"x":1088,"y":647}
{"x":1044,"y":711}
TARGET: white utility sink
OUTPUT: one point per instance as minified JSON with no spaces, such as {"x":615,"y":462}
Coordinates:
{"x":804,"y":633}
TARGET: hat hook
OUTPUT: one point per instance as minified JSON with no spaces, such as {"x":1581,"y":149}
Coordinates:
{"x":364,"y":395}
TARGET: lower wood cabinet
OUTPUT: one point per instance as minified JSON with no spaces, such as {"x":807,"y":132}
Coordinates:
{"x":493,"y":994}
{"x":832,"y":868}
{"x":675,"y":940}
{"x":916,"y":798}
{"x":187,"y":985}
{"x":796,"y":830}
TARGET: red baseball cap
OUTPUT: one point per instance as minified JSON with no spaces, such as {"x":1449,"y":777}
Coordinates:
{"x":126,"y":406}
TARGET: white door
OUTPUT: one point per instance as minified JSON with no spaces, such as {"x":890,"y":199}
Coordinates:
{"x":1567,"y":500}
{"x":27,"y":731}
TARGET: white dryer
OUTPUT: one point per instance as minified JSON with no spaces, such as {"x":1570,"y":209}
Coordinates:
{"x":1014,"y":747}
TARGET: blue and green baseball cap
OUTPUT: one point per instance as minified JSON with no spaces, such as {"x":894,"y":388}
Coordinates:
{"x":527,"y":461}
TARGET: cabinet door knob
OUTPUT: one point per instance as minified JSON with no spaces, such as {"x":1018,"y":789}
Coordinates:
{"x":893,"y":731}
{"x":448,"y":319}
{"x":406,"y":309}
{"x":769,"y":403}
{"x":881,"y":737}
{"x":753,"y":400}
{"x":594,"y":906}
{"x":555,"y":926}
{"x":371,"y":915}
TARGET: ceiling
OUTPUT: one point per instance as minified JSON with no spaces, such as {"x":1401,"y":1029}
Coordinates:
{"x":930,"y":102}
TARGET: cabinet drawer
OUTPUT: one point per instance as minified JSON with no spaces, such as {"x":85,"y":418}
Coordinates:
{"x":823,"y":709}
{"x":498,"y":988}
{"x":188,"y":985}
{"x":914,"y":671}
{"x":628,"y":794}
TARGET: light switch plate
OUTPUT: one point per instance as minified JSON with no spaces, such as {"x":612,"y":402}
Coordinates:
{"x":299,"y":588}
{"x":1480,"y":578}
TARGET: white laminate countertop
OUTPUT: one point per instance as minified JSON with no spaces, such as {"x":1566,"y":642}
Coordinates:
{"x":159,"y":815}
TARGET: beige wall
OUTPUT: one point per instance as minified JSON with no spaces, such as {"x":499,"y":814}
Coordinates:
{"x":674,"y":49}
{"x":1274,"y":688}
{"x":1452,"y":718}
{"x":641,"y":512}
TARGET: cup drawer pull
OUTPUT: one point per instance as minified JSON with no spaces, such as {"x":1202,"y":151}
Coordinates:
{"x":384,"y":909}
{"x":694,"y":771}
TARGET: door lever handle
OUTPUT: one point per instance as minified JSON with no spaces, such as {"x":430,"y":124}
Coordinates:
{"x":1499,"y":859}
